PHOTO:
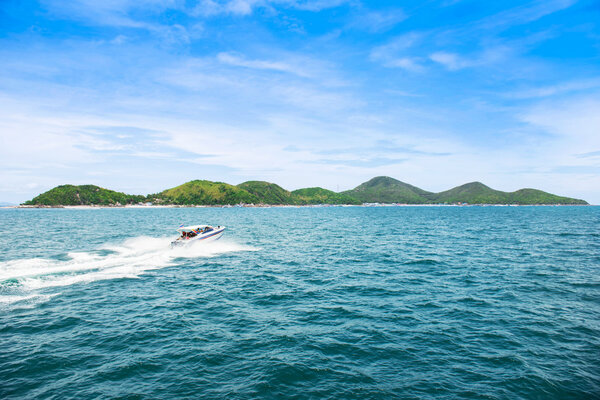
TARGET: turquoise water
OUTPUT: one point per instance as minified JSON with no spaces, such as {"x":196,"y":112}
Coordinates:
{"x":345,"y":303}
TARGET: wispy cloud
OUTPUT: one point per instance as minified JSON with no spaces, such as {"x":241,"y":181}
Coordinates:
{"x":313,"y":5}
{"x":407,"y":63}
{"x":454,"y":61}
{"x":589,"y":154}
{"x":247,"y":7}
{"x":523,"y":14}
{"x":382,"y":147}
{"x":577,"y":169}
{"x":236,"y":7}
{"x":377,"y":21}
{"x":576,"y":120}
{"x":239,"y":61}
{"x":476,"y":44}
{"x":127,"y":14}
{"x":556,"y":89}
{"x":396,"y":53}
{"x":370,"y":162}
{"x":450,"y":60}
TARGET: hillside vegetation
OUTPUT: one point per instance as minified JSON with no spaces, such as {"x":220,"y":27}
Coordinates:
{"x":472,"y":193}
{"x":77,"y":195}
{"x":268,"y":193}
{"x":200,"y":192}
{"x":478,"y":193}
{"x":534,"y":196}
{"x":381,"y":189}
{"x":317,"y":195}
{"x":384,"y":189}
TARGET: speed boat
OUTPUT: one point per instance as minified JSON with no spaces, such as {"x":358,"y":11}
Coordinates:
{"x":196,"y":233}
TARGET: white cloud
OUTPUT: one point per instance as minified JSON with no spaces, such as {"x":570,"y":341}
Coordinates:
{"x":108,"y":12}
{"x":239,"y":61}
{"x":451,"y":61}
{"x":247,"y":7}
{"x":377,"y":21}
{"x":395,"y":53}
{"x":241,"y":7}
{"x":313,"y":5}
{"x":235,"y":7}
{"x":576,"y":121}
{"x":398,"y":44}
{"x":557,"y":89}
{"x":523,"y":14}
{"x":407,"y":63}
{"x":455,"y":61}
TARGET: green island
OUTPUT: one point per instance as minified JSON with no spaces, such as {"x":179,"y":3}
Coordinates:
{"x":382,"y":189}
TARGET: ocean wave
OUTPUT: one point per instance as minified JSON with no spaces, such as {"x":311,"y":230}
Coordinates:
{"x":29,"y":300}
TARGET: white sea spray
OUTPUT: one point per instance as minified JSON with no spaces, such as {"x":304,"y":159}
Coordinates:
{"x":128,"y":259}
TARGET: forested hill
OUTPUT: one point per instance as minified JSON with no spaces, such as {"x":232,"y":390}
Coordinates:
{"x":384,"y":189}
{"x":381,"y":189}
{"x":73,"y":195}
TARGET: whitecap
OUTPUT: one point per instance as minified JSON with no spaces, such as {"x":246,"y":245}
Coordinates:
{"x":128,"y":259}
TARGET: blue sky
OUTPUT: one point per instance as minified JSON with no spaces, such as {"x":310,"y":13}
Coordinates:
{"x":139,"y":96}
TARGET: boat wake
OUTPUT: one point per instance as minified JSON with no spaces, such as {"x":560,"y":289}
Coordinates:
{"x":25,"y":280}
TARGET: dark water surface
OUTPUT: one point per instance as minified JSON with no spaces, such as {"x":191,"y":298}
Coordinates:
{"x":345,"y":303}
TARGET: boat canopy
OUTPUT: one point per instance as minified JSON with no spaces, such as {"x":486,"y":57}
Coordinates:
{"x":192,"y":228}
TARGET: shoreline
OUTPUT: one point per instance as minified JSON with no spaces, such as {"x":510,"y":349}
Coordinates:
{"x":366,"y":205}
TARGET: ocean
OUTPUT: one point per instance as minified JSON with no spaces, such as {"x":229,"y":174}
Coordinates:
{"x":303,"y":303}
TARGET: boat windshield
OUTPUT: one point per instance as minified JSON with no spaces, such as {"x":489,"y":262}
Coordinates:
{"x":189,"y":232}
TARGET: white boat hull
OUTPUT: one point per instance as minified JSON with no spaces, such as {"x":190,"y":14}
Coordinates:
{"x":211,"y":236}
